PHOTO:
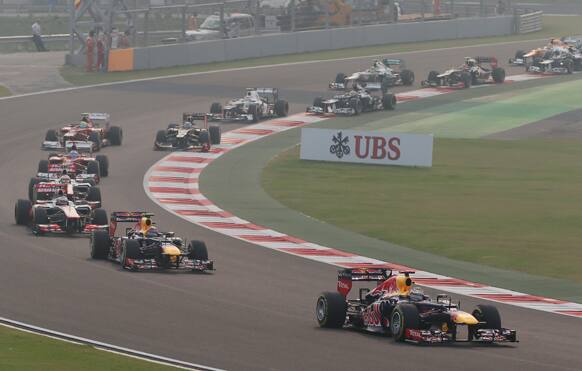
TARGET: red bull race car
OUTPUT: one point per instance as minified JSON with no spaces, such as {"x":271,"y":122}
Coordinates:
{"x":398,"y":308}
{"x":90,"y":134}
{"x":53,"y":212}
{"x":143,"y":247}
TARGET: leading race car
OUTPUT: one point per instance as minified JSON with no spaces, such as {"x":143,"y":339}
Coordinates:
{"x":91,"y":133}
{"x":191,"y":135}
{"x":352,"y":103}
{"x":399,"y":308}
{"x":144,"y":247}
{"x":50,"y":214}
{"x":475,"y":71}
{"x":381,"y":76}
{"x":257,"y":104}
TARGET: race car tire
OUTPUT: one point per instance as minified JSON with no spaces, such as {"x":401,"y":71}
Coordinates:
{"x":467,"y":80}
{"x":281,"y":108}
{"x":96,"y":139}
{"x":43,"y":166}
{"x":389,"y":101}
{"x":22,"y":211}
{"x":40,"y":216}
{"x":161,"y":136}
{"x":404,"y":316}
{"x":115,"y":135}
{"x":94,"y":195}
{"x":385,"y":85}
{"x":197,"y":250}
{"x":204,"y":137}
{"x":340,"y":78}
{"x":356,"y":104}
{"x":570,"y":67}
{"x":215,"y":134}
{"x":100,"y":217}
{"x":91,"y":182}
{"x":93,"y":168}
{"x":103,"y":164}
{"x":519,"y":54}
{"x":51,"y":135}
{"x":31,"y":184}
{"x":433,"y":76}
{"x":216,"y":108}
{"x":488,"y":314}
{"x":172,"y":125}
{"x":318,"y":102}
{"x":407,"y":77}
{"x":253,"y":110}
{"x":330,"y":310}
{"x":498,"y":75}
{"x":130,"y":250}
{"x":100,"y":244}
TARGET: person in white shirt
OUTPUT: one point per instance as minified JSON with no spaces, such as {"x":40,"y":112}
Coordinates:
{"x":37,"y":37}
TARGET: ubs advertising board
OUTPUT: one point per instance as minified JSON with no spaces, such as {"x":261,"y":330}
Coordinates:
{"x":366,"y":147}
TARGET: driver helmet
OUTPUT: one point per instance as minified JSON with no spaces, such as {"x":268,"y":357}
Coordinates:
{"x":376,"y":63}
{"x":416,"y":293}
{"x":73,"y":153}
{"x":249,"y":93}
{"x":471,"y":62}
{"x":61,"y":200}
{"x":65,"y":179}
{"x":83,"y":124}
{"x":145,"y":224}
{"x":187,"y":125}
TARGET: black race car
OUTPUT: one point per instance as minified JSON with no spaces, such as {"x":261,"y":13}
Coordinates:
{"x":353,"y":102}
{"x":190,"y":135}
{"x":396,"y":307}
{"x":143,"y":247}
{"x":475,"y":71}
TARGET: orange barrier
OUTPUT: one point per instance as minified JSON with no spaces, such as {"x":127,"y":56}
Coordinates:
{"x":120,"y":60}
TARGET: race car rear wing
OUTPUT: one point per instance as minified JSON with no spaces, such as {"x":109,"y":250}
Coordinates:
{"x":346,"y":277}
{"x":96,"y":116}
{"x":491,"y":60}
{"x":193,"y":116}
{"x":389,"y":62}
{"x":129,"y":216}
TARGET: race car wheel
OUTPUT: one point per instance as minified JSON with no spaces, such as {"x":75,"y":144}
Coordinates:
{"x":318,"y":102}
{"x":173,"y":125}
{"x":100,"y":244}
{"x":519,"y":54}
{"x":204,"y":137}
{"x":115,"y":135}
{"x":281,"y":108}
{"x":51,"y":135}
{"x":93,"y":168}
{"x":330,"y":310}
{"x":404,"y":316}
{"x":407,"y":77}
{"x":254,"y":111}
{"x":498,"y":75}
{"x":389,"y":101}
{"x":43,"y":166}
{"x":356,"y":104}
{"x":40,"y":216}
{"x":197,"y":250}
{"x":22,"y":211}
{"x":94,"y":195}
{"x":31,"y":184}
{"x":161,"y":136}
{"x":489,"y":315}
{"x":103,"y":164}
{"x":96,"y":139}
{"x":467,"y":80}
{"x":130,"y":250}
{"x":570,"y":67}
{"x":100,"y":217}
{"x":433,"y":76}
{"x":340,"y":78}
{"x":215,"y":134}
{"x":216,"y":108}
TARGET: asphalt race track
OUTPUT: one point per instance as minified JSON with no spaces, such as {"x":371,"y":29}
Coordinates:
{"x":256,"y":312}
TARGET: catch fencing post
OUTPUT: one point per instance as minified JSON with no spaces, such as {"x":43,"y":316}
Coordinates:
{"x":482,"y":8}
{"x":184,"y":8}
{"x":222,"y":24}
{"x":327,"y":14}
{"x":292,"y":15}
{"x":146,"y":27}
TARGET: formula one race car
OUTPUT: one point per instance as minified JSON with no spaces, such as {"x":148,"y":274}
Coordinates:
{"x":91,"y":133}
{"x":399,"y":308}
{"x":58,"y":215}
{"x":381,"y":76}
{"x":256,"y":105}
{"x":78,"y":192}
{"x":475,"y":71}
{"x":81,"y":167}
{"x":353,"y":102}
{"x":565,"y":45}
{"x":143,"y":247}
{"x":190,"y":135}
{"x":558,"y":60}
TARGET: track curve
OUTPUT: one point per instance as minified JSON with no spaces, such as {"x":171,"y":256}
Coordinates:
{"x":256,"y":311}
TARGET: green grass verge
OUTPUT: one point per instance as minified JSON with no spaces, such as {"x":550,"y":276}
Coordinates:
{"x":508,"y":204}
{"x":482,"y":116}
{"x":22,"y":351}
{"x":4,"y":92}
{"x":552,"y":26}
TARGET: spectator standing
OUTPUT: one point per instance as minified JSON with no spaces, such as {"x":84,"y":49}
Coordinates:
{"x":100,"y":52}
{"x":37,"y":37}
{"x":193,"y":22}
{"x":500,"y":8}
{"x":124,"y":40}
{"x":90,"y":46}
{"x":114,"y":43}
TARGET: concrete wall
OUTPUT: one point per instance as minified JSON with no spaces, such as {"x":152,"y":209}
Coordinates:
{"x":318,"y":40}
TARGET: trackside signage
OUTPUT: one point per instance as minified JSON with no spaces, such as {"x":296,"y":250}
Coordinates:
{"x":367,"y":147}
